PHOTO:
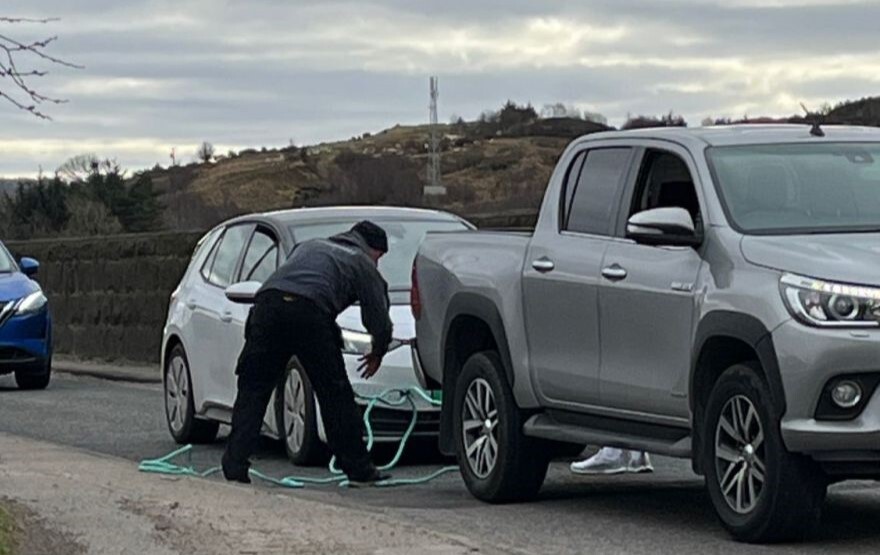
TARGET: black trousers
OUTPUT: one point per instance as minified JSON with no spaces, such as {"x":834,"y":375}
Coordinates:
{"x":279,"y":327}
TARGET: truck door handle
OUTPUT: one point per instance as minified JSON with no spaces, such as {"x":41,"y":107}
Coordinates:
{"x":226,"y":316}
{"x":543,"y":264}
{"x":615,"y":272}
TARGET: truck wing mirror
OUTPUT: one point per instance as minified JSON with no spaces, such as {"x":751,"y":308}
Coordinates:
{"x":663,"y":226}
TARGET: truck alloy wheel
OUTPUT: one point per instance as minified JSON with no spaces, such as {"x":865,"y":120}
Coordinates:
{"x":760,"y":491}
{"x":498,"y":462}
{"x":479,"y":428}
{"x":739,"y":454}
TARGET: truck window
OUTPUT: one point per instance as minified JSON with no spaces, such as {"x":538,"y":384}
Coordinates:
{"x":571,"y":179}
{"x":665,"y":182}
{"x":597,"y":187}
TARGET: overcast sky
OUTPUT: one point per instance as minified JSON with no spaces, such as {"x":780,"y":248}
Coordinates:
{"x":172,"y":73}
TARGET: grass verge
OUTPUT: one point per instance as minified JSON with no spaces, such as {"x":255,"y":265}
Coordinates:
{"x":7,"y":526}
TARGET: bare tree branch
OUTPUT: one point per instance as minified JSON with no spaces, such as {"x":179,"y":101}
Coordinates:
{"x":14,"y":81}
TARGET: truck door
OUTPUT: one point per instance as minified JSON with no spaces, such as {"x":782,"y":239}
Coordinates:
{"x":647,"y":298}
{"x":561,"y":277}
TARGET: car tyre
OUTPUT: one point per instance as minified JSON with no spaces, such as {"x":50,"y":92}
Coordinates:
{"x":296,"y":417}
{"x":761,"y":492}
{"x":180,"y":416}
{"x":29,"y":380}
{"x":498,"y":462}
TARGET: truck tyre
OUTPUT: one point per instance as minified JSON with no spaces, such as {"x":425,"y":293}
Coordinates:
{"x":760,"y":491}
{"x":498,"y":462}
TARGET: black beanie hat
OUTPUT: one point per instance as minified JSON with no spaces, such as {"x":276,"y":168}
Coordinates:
{"x":374,"y":235}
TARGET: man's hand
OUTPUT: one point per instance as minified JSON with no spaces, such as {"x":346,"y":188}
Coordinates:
{"x":369,"y":365}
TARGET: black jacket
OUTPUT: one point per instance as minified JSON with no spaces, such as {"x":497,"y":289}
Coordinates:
{"x":335,"y":273}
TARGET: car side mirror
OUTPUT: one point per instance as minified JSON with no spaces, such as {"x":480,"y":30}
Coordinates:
{"x":663,"y":226}
{"x":244,"y":292}
{"x":29,"y":266}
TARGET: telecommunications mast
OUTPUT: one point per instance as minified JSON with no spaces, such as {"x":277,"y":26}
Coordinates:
{"x":434,"y":185}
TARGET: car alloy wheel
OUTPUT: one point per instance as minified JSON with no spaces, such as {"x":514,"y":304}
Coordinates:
{"x":177,"y":393}
{"x":739,"y":454}
{"x":296,"y":418}
{"x":479,"y":428}
{"x":294,"y":411}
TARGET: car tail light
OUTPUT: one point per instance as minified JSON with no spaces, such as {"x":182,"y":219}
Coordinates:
{"x":415,"y":299}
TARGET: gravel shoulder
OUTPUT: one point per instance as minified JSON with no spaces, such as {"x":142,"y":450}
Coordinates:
{"x":87,"y":503}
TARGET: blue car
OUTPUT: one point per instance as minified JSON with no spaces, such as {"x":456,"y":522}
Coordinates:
{"x":25,"y":323}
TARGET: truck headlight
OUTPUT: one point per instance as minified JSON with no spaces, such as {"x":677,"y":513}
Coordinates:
{"x":356,"y":342}
{"x":828,"y":304}
{"x":32,"y":303}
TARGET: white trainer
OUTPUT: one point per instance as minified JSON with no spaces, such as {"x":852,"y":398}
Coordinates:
{"x":609,"y":460}
{"x":640,"y":462}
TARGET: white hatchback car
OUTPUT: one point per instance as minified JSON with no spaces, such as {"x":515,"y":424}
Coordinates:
{"x":204,"y":331}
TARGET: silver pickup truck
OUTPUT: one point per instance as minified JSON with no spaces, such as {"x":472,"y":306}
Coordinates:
{"x":711,"y":294}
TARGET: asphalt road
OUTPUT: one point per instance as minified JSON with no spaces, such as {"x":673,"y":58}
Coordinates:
{"x":667,"y":512}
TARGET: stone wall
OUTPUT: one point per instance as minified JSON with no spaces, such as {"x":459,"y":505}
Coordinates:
{"x":109,"y":295}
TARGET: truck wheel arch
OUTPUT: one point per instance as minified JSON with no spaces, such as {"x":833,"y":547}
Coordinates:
{"x":725,"y":338}
{"x":472,"y":324}
{"x":467,"y":313}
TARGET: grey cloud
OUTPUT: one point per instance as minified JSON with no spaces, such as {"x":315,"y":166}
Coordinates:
{"x":265,"y":71}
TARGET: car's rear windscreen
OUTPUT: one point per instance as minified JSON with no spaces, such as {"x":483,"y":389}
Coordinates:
{"x":404,"y":238}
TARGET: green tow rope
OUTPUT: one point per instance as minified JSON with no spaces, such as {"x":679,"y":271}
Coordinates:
{"x":389,"y":397}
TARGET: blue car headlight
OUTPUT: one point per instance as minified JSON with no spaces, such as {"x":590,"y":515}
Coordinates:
{"x":31,"y":304}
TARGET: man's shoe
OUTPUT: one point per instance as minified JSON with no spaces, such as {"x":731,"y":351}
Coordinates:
{"x":368,"y":479}
{"x":235,"y":473}
{"x":608,"y":460}
{"x":640,"y":462}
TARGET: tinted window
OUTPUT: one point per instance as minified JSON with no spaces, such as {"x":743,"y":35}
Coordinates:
{"x":404,"y":238}
{"x":261,"y":257}
{"x":226,"y":256}
{"x":597,"y":189}
{"x":800,"y":188}
{"x":571,"y":179}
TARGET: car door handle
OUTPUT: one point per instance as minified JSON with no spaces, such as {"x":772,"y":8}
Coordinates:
{"x":615,"y":272}
{"x":543,"y":264}
{"x":191,"y":304}
{"x":226,"y":316}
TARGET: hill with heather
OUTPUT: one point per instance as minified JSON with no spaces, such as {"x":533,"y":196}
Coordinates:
{"x":486,"y":166}
{"x":497,"y":165}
